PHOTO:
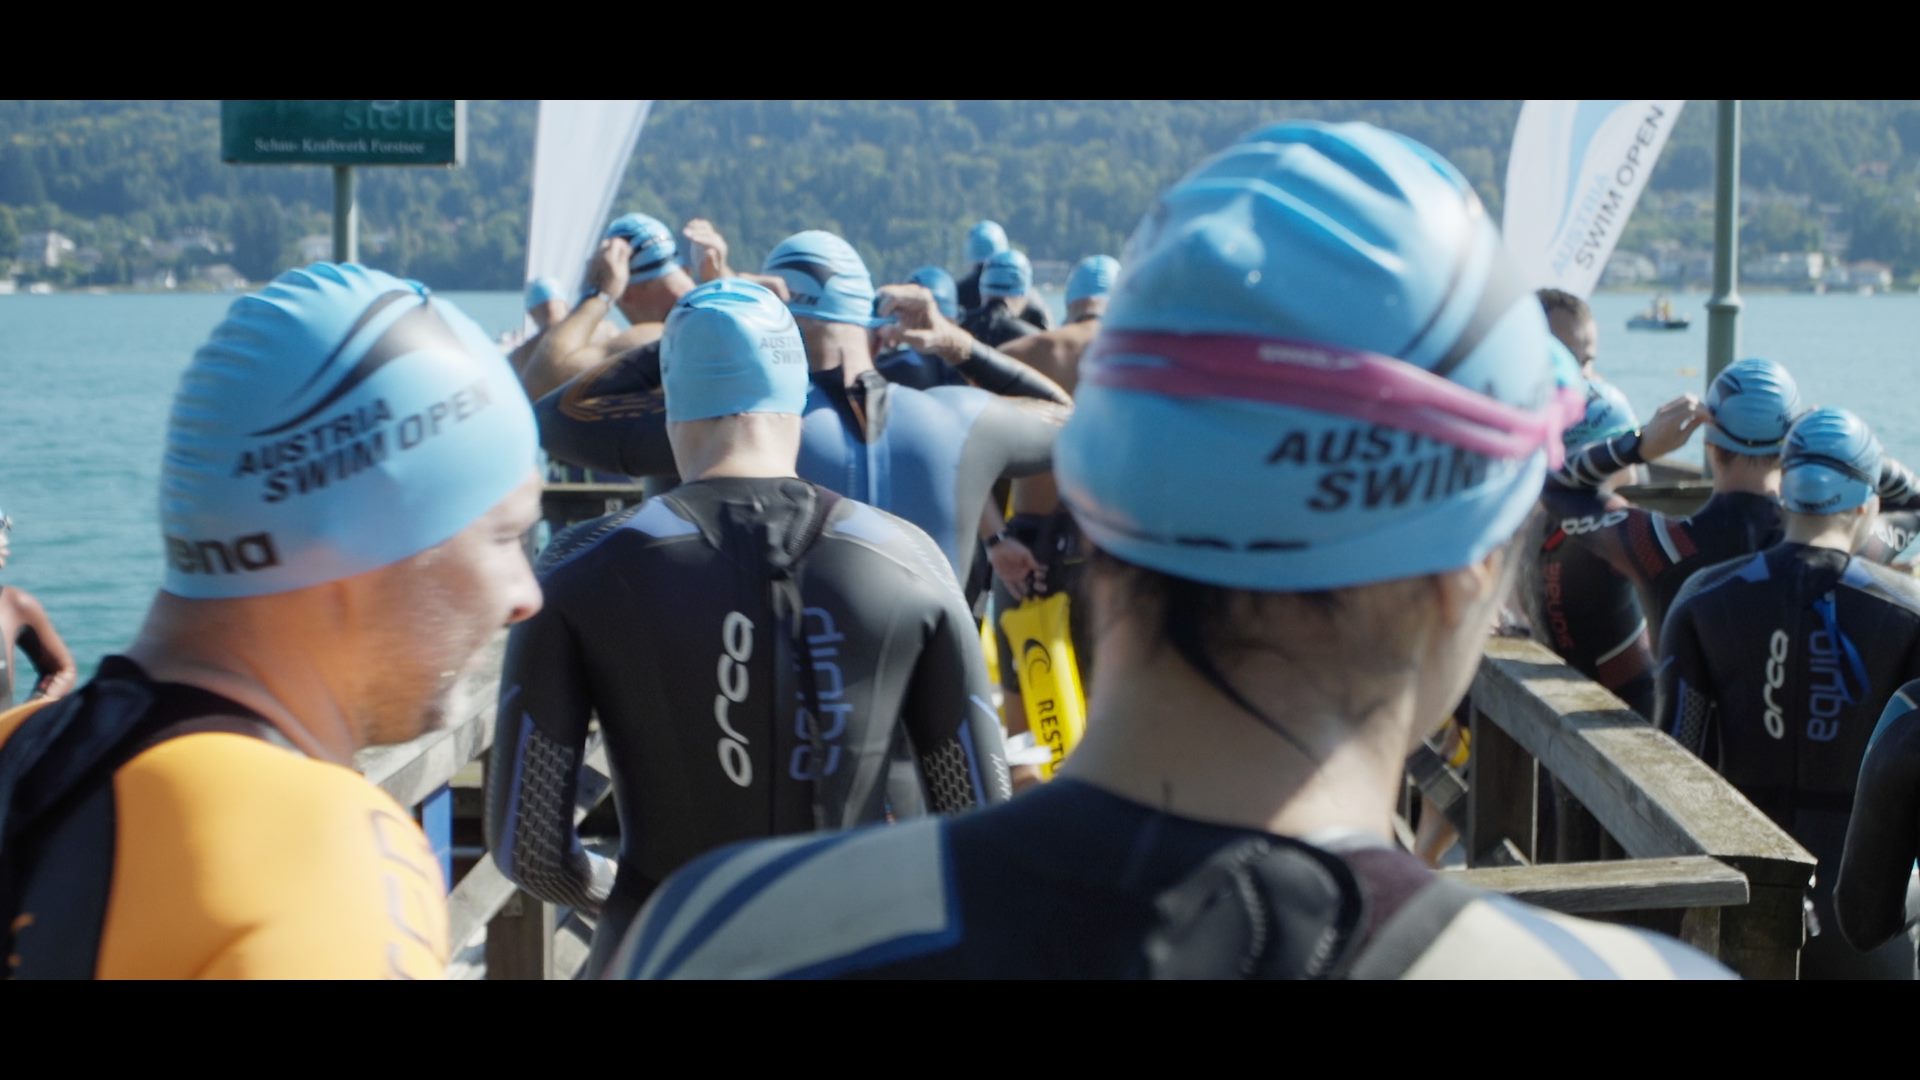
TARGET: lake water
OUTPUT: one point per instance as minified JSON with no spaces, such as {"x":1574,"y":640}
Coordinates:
{"x":86,"y":382}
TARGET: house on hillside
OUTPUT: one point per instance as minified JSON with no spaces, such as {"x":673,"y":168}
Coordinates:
{"x":1628,"y":268}
{"x":1863,"y":276}
{"x":222,"y":277}
{"x":1794,"y":269}
{"x":314,"y":248}
{"x":45,"y":250}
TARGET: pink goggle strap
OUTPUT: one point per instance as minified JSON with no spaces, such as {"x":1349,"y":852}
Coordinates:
{"x":1341,"y":382}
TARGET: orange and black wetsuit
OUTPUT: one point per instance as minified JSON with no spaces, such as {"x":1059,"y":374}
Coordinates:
{"x":215,"y":851}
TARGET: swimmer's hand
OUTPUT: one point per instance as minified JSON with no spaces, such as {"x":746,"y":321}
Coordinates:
{"x":920,"y":325}
{"x":1017,"y":569}
{"x":607,"y":268}
{"x":1671,"y":427}
{"x":711,"y":249}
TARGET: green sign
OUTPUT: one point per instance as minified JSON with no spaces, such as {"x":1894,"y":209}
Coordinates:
{"x":343,"y":132}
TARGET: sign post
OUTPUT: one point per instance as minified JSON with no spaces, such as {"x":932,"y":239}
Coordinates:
{"x":344,"y":134}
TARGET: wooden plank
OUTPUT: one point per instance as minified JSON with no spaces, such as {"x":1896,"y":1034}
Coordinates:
{"x":594,"y":491}
{"x":571,"y":945}
{"x":1693,"y":881}
{"x":1501,"y":795}
{"x":1649,"y":792}
{"x":1442,"y":786}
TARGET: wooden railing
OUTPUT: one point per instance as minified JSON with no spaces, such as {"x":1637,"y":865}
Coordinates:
{"x":1702,"y":861}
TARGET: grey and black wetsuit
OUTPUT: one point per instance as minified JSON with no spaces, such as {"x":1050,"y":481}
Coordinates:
{"x":660,"y":621}
{"x":930,"y":456}
{"x":1072,"y":881}
{"x":1774,"y":669}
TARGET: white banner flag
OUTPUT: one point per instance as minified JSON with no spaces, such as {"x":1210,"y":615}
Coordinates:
{"x":580,"y":154}
{"x":1576,"y":171}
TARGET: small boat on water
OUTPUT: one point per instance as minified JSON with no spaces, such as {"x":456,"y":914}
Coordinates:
{"x":1658,"y":316}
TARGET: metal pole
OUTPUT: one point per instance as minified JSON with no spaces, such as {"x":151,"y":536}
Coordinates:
{"x":1723,"y":310}
{"x":346,"y":216}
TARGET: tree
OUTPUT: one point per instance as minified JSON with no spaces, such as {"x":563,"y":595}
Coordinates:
{"x":20,"y":183}
{"x":1779,"y":226}
{"x":9,"y":234}
{"x":261,"y":235}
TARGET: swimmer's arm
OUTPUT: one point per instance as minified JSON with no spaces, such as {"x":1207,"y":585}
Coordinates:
{"x":1898,"y":488}
{"x":997,"y":373}
{"x":1883,"y":834}
{"x":1590,"y":467}
{"x":1023,"y":431}
{"x":1672,"y":425}
{"x":533,"y":773}
{"x":920,"y":325}
{"x":570,"y":349}
{"x":613,"y":418}
{"x":1682,"y":708}
{"x":950,"y":719}
{"x":44,"y":648}
{"x":371,"y":907}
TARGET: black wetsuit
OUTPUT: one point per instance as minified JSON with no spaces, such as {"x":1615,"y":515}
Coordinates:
{"x":660,"y":620}
{"x":930,"y":456}
{"x":996,"y":324}
{"x":1071,"y":881}
{"x":1656,"y":552}
{"x":1581,"y":607}
{"x":1874,"y":897}
{"x":908,"y":367}
{"x":1774,"y":669}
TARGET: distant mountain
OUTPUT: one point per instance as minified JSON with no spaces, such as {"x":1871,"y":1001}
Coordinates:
{"x":139,"y":187}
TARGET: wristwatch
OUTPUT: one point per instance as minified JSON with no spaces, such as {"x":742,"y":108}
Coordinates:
{"x":994,"y":540}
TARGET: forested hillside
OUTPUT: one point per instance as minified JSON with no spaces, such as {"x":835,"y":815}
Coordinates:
{"x":127,"y":180}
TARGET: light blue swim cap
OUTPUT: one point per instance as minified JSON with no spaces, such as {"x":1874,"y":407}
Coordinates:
{"x":1007,"y":273}
{"x":1607,"y":414}
{"x":337,"y":421}
{"x":540,"y":290}
{"x":1092,"y":276}
{"x":1753,"y":403}
{"x":946,"y":294}
{"x":825,"y":277}
{"x":1319,"y":370}
{"x":1831,"y":463}
{"x":730,"y":346}
{"x":653,"y":246}
{"x":984,"y":240}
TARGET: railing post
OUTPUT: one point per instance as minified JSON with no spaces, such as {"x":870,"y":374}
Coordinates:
{"x":1501,"y":795}
{"x":1763,"y":939}
{"x":520,"y":940}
